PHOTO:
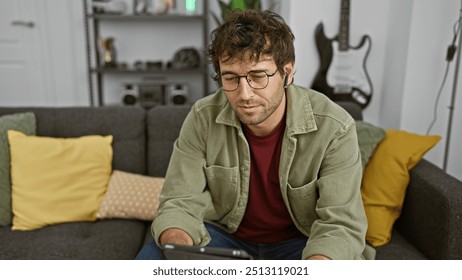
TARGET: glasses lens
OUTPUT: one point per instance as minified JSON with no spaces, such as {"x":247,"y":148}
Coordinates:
{"x":229,"y":82}
{"x":257,"y":80}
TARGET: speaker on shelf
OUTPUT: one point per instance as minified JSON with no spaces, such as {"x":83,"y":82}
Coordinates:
{"x":148,"y":95}
{"x":129,"y":95}
{"x":177,"y":94}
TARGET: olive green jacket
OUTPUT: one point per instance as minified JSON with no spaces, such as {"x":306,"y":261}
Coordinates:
{"x":320,"y":174}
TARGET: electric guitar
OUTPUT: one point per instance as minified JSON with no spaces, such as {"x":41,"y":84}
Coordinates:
{"x":342,"y":75}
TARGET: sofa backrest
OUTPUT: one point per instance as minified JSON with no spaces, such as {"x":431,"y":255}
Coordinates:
{"x":125,"y":124}
{"x":163,"y":127}
{"x":353,"y":108}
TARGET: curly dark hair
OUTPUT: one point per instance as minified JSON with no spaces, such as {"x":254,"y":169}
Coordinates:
{"x":254,"y":33}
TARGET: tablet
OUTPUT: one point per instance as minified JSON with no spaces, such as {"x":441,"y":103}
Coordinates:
{"x":182,"y":252}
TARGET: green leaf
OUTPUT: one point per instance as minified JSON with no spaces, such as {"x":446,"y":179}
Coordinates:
{"x":238,"y":4}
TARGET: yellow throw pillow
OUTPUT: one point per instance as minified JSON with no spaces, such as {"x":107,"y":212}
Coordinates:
{"x":57,"y":180}
{"x":386,"y":178}
{"x":131,"y":196}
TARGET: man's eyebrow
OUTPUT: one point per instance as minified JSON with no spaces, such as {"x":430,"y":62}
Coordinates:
{"x":234,"y":73}
{"x":227,"y":72}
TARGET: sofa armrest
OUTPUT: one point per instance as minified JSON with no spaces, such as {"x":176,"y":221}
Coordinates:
{"x":431,"y":218}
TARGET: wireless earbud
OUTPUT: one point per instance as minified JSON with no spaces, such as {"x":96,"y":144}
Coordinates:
{"x":286,"y":81}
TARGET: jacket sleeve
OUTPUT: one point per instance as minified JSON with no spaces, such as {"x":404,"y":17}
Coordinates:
{"x":339,"y":232}
{"x":183,"y":199}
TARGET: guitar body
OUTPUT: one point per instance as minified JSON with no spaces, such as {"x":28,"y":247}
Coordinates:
{"x":342,"y":74}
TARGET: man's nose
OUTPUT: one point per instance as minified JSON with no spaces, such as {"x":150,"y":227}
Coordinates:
{"x":245,"y":91}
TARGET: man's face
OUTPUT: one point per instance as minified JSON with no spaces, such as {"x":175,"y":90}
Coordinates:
{"x":254,"y":107}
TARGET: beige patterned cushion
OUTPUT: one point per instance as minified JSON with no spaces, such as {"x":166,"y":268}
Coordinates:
{"x":131,"y":196}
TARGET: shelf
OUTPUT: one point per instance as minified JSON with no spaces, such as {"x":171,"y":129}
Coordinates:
{"x":99,"y":76}
{"x":122,"y":17}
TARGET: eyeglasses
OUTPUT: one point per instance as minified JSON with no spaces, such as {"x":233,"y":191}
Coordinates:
{"x":257,"y":79}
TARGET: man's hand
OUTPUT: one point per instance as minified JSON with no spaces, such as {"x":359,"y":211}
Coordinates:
{"x":175,"y":236}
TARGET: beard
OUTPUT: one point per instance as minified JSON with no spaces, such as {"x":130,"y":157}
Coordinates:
{"x":257,"y":110}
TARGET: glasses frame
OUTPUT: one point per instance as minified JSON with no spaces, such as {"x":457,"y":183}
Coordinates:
{"x":246,"y":76}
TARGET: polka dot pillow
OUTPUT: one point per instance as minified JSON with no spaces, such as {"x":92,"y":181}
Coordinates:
{"x":131,"y":196}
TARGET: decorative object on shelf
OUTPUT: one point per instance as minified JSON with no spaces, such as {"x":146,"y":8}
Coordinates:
{"x":109,"y":52}
{"x":141,"y":7}
{"x":148,"y":65}
{"x":185,"y":58}
{"x":153,"y":7}
{"x":342,"y":74}
{"x":190,"y":6}
{"x":109,"y":7}
{"x":167,"y":6}
{"x":154,"y":65}
{"x":139,"y":65}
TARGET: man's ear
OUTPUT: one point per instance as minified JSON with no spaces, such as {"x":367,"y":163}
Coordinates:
{"x":289,"y":72}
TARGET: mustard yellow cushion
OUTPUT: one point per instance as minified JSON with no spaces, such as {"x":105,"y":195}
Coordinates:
{"x":57,"y":180}
{"x":386,"y":177}
{"x":131,"y":196}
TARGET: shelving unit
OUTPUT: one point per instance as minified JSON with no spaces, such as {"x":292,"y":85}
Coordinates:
{"x":100,"y":76}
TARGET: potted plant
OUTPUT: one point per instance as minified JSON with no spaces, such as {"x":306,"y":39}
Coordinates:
{"x":227,"y":6}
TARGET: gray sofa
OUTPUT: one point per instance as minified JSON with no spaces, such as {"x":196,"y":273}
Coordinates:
{"x":430,"y":225}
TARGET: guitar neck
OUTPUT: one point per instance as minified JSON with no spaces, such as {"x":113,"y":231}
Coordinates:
{"x":344,"y":33}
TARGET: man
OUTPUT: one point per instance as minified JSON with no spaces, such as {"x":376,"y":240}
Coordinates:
{"x":263,"y":165}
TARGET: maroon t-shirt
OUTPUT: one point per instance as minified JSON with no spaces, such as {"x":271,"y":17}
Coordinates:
{"x":266,"y":219}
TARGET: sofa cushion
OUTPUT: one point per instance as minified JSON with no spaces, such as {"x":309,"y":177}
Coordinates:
{"x":386,"y":178}
{"x":56,"y":180}
{"x":24,"y":122}
{"x":131,"y":196}
{"x":100,"y":240}
{"x":398,"y":248}
{"x":369,"y":136}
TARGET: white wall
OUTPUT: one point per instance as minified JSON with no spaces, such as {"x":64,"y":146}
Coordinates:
{"x":431,"y":33}
{"x":64,"y":52}
{"x":406,"y":63}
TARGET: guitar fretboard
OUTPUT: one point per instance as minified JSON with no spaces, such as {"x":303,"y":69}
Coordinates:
{"x":344,"y":34}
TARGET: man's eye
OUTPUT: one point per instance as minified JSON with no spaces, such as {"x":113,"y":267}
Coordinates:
{"x":229,"y":78}
{"x":257,"y":76}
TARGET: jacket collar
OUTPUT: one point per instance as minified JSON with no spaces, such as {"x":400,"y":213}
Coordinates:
{"x":299,"y":116}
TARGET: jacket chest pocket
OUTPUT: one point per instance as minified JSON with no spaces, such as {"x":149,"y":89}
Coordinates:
{"x":303,"y":203}
{"x":222,"y":183}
